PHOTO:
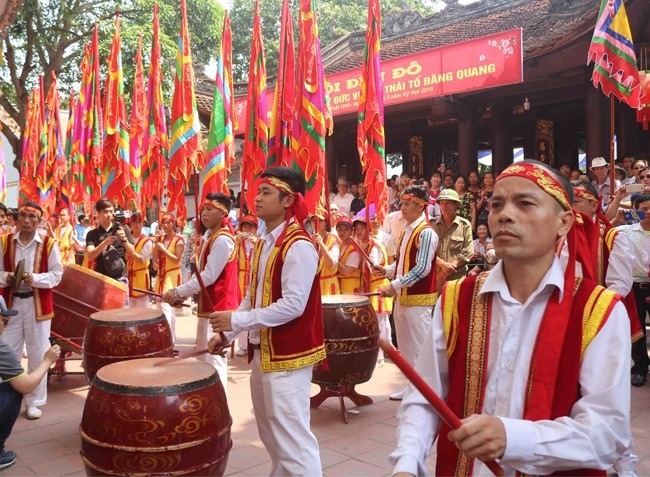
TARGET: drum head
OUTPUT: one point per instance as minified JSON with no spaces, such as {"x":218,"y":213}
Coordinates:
{"x":18,"y":275}
{"x":142,"y":373}
{"x":339,"y":301}
{"x":126,"y":315}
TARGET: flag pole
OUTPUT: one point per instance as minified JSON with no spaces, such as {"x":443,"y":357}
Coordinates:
{"x":197,"y":222}
{"x":612,"y":162}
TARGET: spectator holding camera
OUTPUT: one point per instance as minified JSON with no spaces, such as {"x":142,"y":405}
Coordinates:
{"x":107,"y":244}
{"x":639,"y":237}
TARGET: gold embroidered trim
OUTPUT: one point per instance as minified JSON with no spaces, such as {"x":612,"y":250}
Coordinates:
{"x":428,"y":299}
{"x":597,"y":305}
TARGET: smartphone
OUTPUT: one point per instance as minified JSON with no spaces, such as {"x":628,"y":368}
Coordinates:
{"x":634,"y":215}
{"x":631,"y":188}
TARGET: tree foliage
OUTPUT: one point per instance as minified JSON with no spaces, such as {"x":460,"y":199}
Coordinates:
{"x":335,"y":19}
{"x":48,"y":35}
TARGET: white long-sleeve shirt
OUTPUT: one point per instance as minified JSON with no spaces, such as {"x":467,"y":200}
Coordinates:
{"x":422,"y":266}
{"x":598,"y":428}
{"x":298,"y":275}
{"x":640,"y":247}
{"x":49,"y":279}
{"x":222,"y":248}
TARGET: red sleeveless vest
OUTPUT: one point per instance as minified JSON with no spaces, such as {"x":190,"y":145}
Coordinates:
{"x":43,"y":299}
{"x":423,"y":292}
{"x":467,"y":351}
{"x":300,"y":342}
{"x":224,"y":292}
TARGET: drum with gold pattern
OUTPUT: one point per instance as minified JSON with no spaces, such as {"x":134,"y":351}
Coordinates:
{"x":125,"y":333}
{"x":351,"y":340}
{"x":143,"y":419}
{"x":81,"y":293}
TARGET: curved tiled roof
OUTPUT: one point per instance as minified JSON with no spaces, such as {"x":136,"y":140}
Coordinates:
{"x":545,"y":23}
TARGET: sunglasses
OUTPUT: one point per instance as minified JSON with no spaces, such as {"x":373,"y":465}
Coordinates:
{"x":645,"y":177}
{"x":638,"y":168}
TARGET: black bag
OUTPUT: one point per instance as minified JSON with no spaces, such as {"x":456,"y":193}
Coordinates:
{"x":113,"y":263}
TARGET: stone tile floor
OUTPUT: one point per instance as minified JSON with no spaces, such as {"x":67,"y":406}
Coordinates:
{"x":50,"y":445}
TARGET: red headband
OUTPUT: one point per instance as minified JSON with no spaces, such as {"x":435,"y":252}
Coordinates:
{"x":167,"y":216}
{"x":541,"y":178}
{"x":414,"y":199}
{"x":585,"y":194}
{"x":30,"y":210}
{"x":299,"y":207}
{"x":214,"y":204}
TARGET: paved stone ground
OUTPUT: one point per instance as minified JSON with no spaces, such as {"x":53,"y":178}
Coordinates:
{"x":50,"y":446}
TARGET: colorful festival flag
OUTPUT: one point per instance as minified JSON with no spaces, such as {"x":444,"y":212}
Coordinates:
{"x":87,"y":144}
{"x":612,"y":51}
{"x":256,"y":134}
{"x":156,"y":142}
{"x":56,"y":161}
{"x":65,"y":192}
{"x":3,"y":172}
{"x":226,"y":54}
{"x":215,"y":178}
{"x":310,"y":121}
{"x":136,"y":133}
{"x":370,"y":128}
{"x":116,"y":180}
{"x":31,"y":149}
{"x":44,"y":180}
{"x":185,"y":152}
{"x":281,"y":127}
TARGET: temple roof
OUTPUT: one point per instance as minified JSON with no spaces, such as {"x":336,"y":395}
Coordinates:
{"x":546,"y":24}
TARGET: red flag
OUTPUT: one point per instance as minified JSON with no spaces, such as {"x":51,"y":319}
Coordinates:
{"x":310,"y":125}
{"x":56,"y":162}
{"x":226,"y":54}
{"x":115,"y":158}
{"x":185,"y":151}
{"x":156,"y":142}
{"x":31,"y":149}
{"x":370,"y":128}
{"x":285,"y":93}
{"x":256,"y":133}
{"x":136,"y":133}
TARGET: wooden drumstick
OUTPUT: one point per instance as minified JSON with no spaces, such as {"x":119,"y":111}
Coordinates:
{"x":206,"y":295}
{"x":362,"y":253}
{"x":430,"y":395}
{"x":157,"y":295}
{"x":193,"y":354}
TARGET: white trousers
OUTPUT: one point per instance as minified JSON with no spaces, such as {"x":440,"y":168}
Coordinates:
{"x":412,"y":324}
{"x":384,"y":331}
{"x":24,"y":331}
{"x":170,"y":315}
{"x":281,"y":406}
{"x":139,"y":302}
{"x":203,"y":334}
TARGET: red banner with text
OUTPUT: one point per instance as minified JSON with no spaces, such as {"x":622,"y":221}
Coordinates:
{"x":486,"y":62}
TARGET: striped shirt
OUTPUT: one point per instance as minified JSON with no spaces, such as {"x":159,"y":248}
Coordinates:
{"x":426,"y":250}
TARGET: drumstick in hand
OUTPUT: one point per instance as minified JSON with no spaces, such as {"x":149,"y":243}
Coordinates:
{"x":430,"y":395}
{"x":206,"y":295}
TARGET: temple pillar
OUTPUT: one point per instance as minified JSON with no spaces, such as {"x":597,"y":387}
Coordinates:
{"x":566,"y":145}
{"x":467,"y":149}
{"x":502,"y":155}
{"x":596,"y":124}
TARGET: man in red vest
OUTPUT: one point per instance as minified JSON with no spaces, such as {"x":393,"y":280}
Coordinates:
{"x":217,"y":263}
{"x":282,"y":312}
{"x":33,"y":298}
{"x":534,"y":360}
{"x":413,"y":276}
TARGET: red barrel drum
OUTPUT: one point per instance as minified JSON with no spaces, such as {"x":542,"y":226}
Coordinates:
{"x":81,"y":293}
{"x":144,"y":419}
{"x":352,"y":342}
{"x":125,"y":333}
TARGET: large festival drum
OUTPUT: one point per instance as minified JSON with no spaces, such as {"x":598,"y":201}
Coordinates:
{"x":125,"y":333}
{"x":143,"y":419}
{"x":352,"y":343}
{"x":81,"y":293}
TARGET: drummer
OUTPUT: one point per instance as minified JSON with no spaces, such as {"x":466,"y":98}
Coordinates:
{"x":31,"y":294}
{"x":167,"y":254}
{"x":137,"y":262}
{"x":414,"y":271}
{"x":217,"y":265}
{"x":371,"y":282}
{"x":245,"y":239}
{"x":327,"y":245}
{"x":349,"y":260}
